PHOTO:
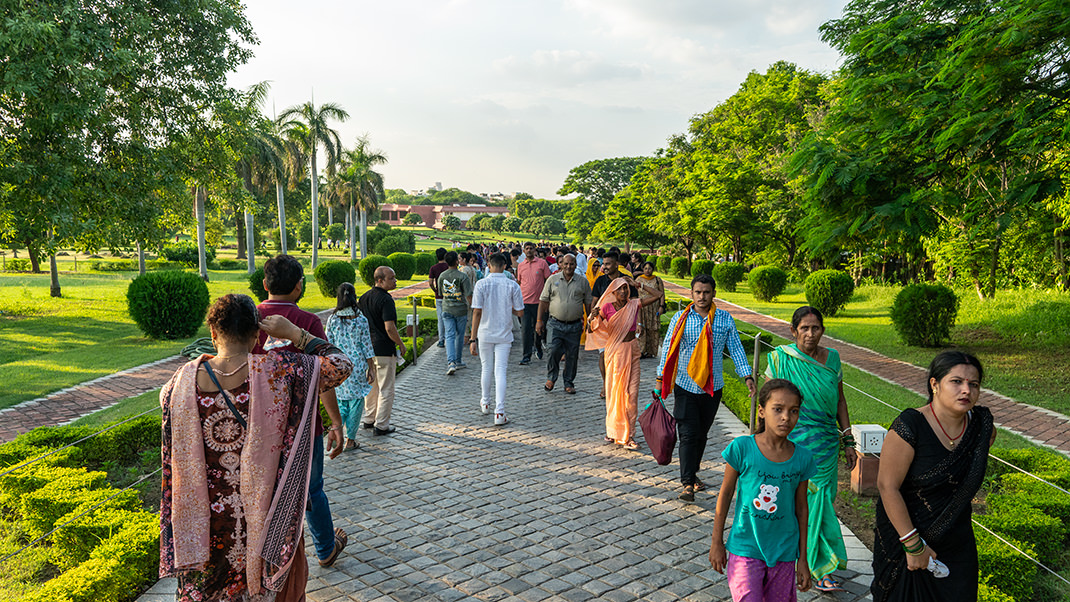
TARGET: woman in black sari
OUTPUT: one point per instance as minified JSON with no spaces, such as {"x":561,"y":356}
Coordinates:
{"x":932,"y":465}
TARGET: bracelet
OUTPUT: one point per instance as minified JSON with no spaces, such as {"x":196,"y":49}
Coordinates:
{"x":912,"y":533}
{"x":917,"y":550}
{"x":334,"y":428}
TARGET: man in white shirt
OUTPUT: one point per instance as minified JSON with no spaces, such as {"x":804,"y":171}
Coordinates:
{"x":496,"y":299}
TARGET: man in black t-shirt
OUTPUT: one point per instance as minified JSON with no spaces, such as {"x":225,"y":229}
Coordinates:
{"x":610,"y":272}
{"x":378,"y":306}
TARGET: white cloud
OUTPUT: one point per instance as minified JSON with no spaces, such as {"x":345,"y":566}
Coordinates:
{"x":565,"y":68}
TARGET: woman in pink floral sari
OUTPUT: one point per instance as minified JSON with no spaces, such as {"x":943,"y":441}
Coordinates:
{"x":237,"y":448}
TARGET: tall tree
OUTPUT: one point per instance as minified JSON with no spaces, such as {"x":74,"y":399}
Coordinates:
{"x":595,"y":183}
{"x":317,"y":134}
{"x":87,"y":82}
{"x":366,"y":188}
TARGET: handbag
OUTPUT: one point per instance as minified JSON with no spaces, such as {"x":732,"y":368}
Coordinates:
{"x":659,"y":429}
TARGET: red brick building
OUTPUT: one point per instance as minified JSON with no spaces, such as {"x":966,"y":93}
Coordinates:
{"x":392,"y":214}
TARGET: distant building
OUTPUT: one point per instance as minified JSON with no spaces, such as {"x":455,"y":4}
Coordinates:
{"x":392,"y":214}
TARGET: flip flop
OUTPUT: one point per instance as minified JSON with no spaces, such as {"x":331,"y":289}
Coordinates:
{"x":827,"y":584}
{"x":340,"y":540}
{"x":548,"y":387}
{"x":570,"y":390}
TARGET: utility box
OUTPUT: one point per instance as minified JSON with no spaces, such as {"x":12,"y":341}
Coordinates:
{"x":869,"y":438}
{"x":409,"y":324}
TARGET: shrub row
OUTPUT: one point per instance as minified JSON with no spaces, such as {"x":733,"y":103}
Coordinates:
{"x":17,"y":265}
{"x":110,"y":553}
{"x":130,"y":265}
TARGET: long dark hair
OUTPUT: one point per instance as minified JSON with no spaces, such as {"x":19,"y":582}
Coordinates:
{"x":775,"y":384}
{"x":945,"y":361}
{"x":347,"y":297}
{"x":802,"y":312}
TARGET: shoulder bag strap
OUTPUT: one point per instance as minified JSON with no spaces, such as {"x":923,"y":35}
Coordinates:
{"x":226,"y":398}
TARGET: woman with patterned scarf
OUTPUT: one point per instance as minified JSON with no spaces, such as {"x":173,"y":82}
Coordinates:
{"x":237,"y":453}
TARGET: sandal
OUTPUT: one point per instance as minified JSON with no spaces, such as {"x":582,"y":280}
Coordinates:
{"x":340,"y":540}
{"x":570,"y":390}
{"x":699,"y":485}
{"x":631,"y":445}
{"x":688,"y":494}
{"x":827,"y":584}
{"x":351,"y":444}
{"x":549,"y":386}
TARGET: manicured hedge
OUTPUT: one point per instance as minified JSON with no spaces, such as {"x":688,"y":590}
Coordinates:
{"x":168,"y":305}
{"x":680,"y":267}
{"x":404,"y":265}
{"x":424,"y":262}
{"x":367,"y":267}
{"x":767,"y":282}
{"x":829,"y":290}
{"x":256,"y":284}
{"x":664,"y":263}
{"x":1003,"y":568}
{"x":923,"y":314}
{"x":332,"y":274}
{"x":727,"y":275}
{"x":702,"y":266}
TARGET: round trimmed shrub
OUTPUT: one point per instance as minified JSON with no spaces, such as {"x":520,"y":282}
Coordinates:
{"x":256,"y":284}
{"x":767,"y":282}
{"x":679,"y":267}
{"x":169,"y":304}
{"x":923,"y":314}
{"x":367,"y":267}
{"x":829,"y":290}
{"x":727,"y":275}
{"x":404,"y":264}
{"x":331,"y":274}
{"x":424,"y":263}
{"x":664,"y":262}
{"x":702,"y":266}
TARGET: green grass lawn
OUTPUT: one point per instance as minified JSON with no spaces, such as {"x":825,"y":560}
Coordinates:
{"x":1022,"y":336}
{"x":48,"y":344}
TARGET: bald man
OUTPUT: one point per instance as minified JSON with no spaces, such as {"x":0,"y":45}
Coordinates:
{"x":378,"y":306}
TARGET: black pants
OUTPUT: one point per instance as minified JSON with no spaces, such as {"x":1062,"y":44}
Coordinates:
{"x":530,"y":338}
{"x":563,"y":338}
{"x":694,"y":413}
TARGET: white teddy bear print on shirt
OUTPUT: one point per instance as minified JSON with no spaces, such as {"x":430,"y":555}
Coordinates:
{"x":766,"y":499}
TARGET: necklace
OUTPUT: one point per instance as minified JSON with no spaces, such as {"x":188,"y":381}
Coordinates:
{"x":234,"y":371}
{"x":952,"y":440}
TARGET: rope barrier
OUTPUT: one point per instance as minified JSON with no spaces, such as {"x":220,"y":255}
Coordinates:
{"x":58,"y":527}
{"x":86,"y":438}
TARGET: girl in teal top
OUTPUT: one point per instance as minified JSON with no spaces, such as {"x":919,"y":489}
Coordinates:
{"x":771,"y":474}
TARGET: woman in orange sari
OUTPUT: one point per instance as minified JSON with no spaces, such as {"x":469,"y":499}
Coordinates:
{"x":614,"y":326}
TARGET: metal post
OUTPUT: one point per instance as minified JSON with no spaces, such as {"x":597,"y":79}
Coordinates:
{"x":754,"y":371}
{"x":415,"y":329}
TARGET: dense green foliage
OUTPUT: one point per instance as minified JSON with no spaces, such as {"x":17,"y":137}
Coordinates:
{"x":424,"y":262}
{"x":923,"y":314}
{"x":367,"y":267}
{"x":727,"y":275}
{"x":168,"y":305}
{"x":404,"y":265}
{"x":332,"y":274}
{"x":829,"y":290}
{"x":186,"y":253}
{"x":595,"y":183}
{"x":256,"y":284}
{"x":702,"y":266}
{"x":451,"y":222}
{"x":767,"y":282}
{"x":680,"y":267}
{"x":395,"y":243}
{"x":663,"y":263}
{"x":412,"y":219}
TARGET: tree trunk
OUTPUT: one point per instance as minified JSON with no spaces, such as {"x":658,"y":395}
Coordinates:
{"x":1060,"y":259}
{"x":282,"y":217}
{"x":363,"y":233}
{"x":35,"y":257}
{"x":250,"y":240}
{"x":54,"y":271}
{"x":315,"y":212}
{"x":994,"y":268}
{"x":330,"y":215}
{"x":202,"y":261}
{"x":351,"y":230}
{"x":140,"y":259}
{"x":239,"y":233}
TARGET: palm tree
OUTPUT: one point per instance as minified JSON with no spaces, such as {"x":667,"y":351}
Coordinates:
{"x":261,"y":158}
{"x":316,"y":134}
{"x":366,"y":188}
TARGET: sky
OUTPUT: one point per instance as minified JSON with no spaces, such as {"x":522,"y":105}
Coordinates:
{"x":508,"y":95}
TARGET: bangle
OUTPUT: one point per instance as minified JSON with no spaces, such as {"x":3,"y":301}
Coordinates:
{"x":912,"y":533}
{"x":334,"y":428}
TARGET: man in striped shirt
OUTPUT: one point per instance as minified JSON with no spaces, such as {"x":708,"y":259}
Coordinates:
{"x":694,"y":408}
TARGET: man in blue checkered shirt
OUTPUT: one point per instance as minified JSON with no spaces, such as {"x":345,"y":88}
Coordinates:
{"x":695,"y":407}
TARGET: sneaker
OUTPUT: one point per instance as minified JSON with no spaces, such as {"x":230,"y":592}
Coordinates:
{"x":380,"y":432}
{"x":525,"y":361}
{"x":367,"y":425}
{"x":500,"y":419}
{"x":441,"y":345}
{"x":538,"y":352}
{"x":451,"y":369}
{"x":462,"y":366}
{"x":484,"y":407}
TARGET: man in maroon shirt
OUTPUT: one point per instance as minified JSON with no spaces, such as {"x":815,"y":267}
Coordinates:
{"x":284,"y":280}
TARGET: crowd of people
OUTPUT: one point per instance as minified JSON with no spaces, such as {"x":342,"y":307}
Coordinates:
{"x":243,"y":441}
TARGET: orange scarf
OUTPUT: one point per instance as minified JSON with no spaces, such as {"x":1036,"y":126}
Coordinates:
{"x":700,"y":367}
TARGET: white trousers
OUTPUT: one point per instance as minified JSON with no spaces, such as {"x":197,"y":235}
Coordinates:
{"x":494,"y":358}
{"x":379,"y":403}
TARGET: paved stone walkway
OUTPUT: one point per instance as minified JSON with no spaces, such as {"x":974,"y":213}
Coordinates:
{"x":1039,"y":425}
{"x":451,"y":507}
{"x":72,"y":403}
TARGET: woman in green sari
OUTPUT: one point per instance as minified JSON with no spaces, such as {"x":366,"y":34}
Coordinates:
{"x":823,"y":422}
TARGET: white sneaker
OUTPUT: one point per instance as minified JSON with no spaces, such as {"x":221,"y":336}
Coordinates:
{"x":451,"y":369}
{"x":484,"y":407}
{"x":500,"y":419}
